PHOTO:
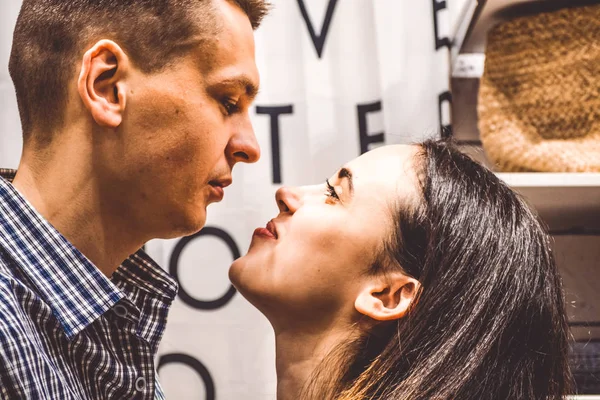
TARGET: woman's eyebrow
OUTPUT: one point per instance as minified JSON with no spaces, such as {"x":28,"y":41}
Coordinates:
{"x":346,"y":173}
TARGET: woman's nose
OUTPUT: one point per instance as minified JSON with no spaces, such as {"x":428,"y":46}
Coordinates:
{"x":288,"y":199}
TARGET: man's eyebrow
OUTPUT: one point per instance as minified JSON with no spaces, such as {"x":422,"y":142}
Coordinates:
{"x":346,"y":173}
{"x":242,"y":82}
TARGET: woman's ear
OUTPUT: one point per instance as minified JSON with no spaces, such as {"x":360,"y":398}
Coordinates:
{"x":387,"y":297}
{"x":101,"y":83}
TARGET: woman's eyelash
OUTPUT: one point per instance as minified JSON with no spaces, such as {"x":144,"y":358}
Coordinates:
{"x":331,"y":190}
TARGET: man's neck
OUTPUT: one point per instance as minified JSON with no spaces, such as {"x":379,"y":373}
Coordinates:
{"x":63,"y":188}
{"x":298,"y":354}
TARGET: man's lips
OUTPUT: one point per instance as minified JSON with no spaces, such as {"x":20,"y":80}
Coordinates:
{"x":218,"y":186}
{"x":217,"y":192}
{"x":222,"y":183}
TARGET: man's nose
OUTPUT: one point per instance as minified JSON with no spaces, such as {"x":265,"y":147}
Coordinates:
{"x":289,"y":199}
{"x":243,"y":146}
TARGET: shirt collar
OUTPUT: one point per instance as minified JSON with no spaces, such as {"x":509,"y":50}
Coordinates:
{"x":65,"y":279}
{"x":151,"y":289}
{"x":140,"y":272}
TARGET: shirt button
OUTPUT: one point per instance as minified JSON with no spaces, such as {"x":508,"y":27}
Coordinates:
{"x":140,"y":383}
{"x":120,"y":310}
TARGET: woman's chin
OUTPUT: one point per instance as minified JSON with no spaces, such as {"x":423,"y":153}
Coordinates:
{"x":240,"y":277}
{"x":242,"y":280}
{"x":235,"y":272}
{"x":246,"y":270}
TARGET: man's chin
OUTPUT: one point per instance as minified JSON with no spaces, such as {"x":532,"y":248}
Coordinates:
{"x":186,"y":225}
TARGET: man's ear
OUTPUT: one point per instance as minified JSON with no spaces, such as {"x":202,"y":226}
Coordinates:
{"x":101,"y":83}
{"x":387,"y":298}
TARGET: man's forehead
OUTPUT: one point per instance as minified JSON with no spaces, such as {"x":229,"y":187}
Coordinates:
{"x":227,"y":55}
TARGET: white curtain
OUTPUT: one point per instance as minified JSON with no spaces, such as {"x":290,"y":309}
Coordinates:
{"x":338,"y":77}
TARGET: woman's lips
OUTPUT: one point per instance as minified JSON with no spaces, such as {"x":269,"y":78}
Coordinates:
{"x":269,"y":231}
{"x":272,"y":228}
{"x":263,"y":232}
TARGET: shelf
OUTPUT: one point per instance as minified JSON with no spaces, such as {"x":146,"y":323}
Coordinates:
{"x":469,"y":41}
{"x":553,"y":180}
{"x":477,"y":18}
{"x":488,"y":13}
{"x":566,"y":201}
{"x":468,"y":54}
{"x":464,"y":118}
{"x":466,"y":16}
{"x":577,"y":260}
{"x":569,"y":203}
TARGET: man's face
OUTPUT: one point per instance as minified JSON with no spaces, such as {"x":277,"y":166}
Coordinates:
{"x":185,"y":128}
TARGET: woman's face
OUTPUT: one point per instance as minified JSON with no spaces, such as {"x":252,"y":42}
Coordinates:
{"x":311,"y":259}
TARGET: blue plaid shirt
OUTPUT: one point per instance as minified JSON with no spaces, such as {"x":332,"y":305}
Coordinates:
{"x":67,"y":331}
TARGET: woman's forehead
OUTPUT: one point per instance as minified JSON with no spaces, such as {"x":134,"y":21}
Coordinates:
{"x":386,"y":170}
{"x":384,"y":163}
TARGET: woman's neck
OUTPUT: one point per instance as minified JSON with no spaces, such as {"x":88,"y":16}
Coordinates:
{"x":298,"y":354}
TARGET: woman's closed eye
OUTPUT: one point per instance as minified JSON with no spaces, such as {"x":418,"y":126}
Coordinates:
{"x":331,"y":191}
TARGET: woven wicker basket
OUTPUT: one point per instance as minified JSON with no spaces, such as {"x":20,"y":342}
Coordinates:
{"x":539,"y":97}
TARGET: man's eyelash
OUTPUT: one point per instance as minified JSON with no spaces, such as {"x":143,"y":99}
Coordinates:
{"x":331,"y":190}
{"x":230,"y":106}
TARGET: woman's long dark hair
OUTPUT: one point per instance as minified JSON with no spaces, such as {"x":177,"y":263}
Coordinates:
{"x":489,"y":319}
